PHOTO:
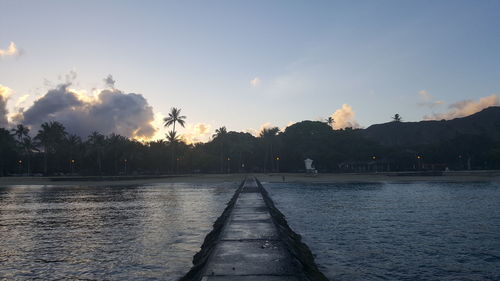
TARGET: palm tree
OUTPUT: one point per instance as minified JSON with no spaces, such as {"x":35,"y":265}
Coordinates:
{"x":267,"y":135}
{"x":73,"y":143}
{"x":330,"y":121}
{"x":172,"y":137}
{"x":96,"y":142}
{"x":20,"y":131}
{"x":29,"y":146}
{"x":7,"y":150}
{"x":220,"y":135}
{"x":50,"y":135}
{"x":174,"y":117}
{"x":397,"y":118}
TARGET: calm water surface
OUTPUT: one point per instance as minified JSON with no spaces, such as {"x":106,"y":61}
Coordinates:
{"x":424,"y":231}
{"x":105,"y":233}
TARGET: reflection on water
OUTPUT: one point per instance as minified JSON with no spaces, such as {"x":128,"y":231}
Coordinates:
{"x":112,"y":233}
{"x":397,"y":231}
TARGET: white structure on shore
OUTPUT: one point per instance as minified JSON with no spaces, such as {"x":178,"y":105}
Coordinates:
{"x":310,"y":167}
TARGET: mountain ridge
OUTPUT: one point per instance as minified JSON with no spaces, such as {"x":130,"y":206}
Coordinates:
{"x":483,"y":123}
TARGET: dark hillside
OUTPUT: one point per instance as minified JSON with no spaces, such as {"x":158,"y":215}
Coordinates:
{"x":485,"y":123}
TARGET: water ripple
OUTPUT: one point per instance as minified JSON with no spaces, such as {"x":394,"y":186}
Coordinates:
{"x":105,"y":233}
{"x":424,"y":231}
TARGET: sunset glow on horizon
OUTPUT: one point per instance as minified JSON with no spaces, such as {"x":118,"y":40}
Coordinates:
{"x":244,"y":66}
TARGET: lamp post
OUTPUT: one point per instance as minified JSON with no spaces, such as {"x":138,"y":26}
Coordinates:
{"x":228,"y":165}
{"x":278,"y":163}
{"x":125,"y":164}
{"x":419,"y":164}
{"x":20,"y":162}
{"x":72,"y":165}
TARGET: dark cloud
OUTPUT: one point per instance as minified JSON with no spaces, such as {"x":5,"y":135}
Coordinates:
{"x":112,"y":111}
{"x":109,"y":81}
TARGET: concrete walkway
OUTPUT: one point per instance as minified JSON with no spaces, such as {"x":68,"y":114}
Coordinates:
{"x":249,"y":247}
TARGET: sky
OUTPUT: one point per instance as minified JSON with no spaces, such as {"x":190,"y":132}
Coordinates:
{"x":119,"y":66}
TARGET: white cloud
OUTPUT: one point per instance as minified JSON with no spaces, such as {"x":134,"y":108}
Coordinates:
{"x":21,"y":100}
{"x":465,"y":108}
{"x":427,"y":100}
{"x":287,"y":125}
{"x":255,"y":82}
{"x":11,"y":50}
{"x":195,"y":133}
{"x":344,"y":118}
{"x":5,"y":93}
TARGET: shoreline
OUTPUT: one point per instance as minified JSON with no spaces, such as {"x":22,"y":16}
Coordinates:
{"x":404,"y":177}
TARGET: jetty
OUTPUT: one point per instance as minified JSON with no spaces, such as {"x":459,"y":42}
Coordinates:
{"x":252,"y":241}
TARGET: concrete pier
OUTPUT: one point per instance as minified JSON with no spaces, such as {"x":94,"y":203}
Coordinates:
{"x":250,"y":242}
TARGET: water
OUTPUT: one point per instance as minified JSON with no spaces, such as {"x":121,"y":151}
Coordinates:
{"x":422,"y":231}
{"x":105,"y":233}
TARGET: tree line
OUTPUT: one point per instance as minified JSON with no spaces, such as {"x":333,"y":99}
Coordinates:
{"x":53,"y":151}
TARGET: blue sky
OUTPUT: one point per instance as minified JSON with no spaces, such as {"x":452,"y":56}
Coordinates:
{"x":310,"y":57}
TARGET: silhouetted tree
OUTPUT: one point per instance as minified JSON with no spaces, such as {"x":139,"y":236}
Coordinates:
{"x":268,"y":135}
{"x":50,"y":136}
{"x":220,"y":137}
{"x":7,"y":151}
{"x":95,"y":148}
{"x":397,"y":118}
{"x":174,"y":116}
{"x":330,"y":121}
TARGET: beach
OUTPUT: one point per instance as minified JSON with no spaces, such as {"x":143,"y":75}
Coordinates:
{"x":452,"y":176}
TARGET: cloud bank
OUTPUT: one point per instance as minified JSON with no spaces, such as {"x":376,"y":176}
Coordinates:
{"x":110,"y":111}
{"x":344,"y":118}
{"x":465,"y":108}
{"x":11,"y":51}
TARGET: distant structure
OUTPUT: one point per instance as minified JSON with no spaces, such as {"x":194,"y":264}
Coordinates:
{"x":310,"y":167}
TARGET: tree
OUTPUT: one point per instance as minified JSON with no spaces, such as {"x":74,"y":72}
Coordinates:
{"x":50,"y":136}
{"x":95,"y":145}
{"x":174,"y":116}
{"x":25,"y":143}
{"x":172,"y":137}
{"x":330,"y":121}
{"x":29,"y":146}
{"x":220,"y":136}
{"x":267,"y":135}
{"x":397,"y":118}
{"x":20,"y":131}
{"x":7,"y":151}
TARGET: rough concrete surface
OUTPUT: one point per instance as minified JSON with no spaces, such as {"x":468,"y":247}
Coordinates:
{"x":249,"y":246}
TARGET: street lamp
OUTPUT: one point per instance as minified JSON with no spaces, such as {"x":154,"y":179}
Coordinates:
{"x":20,"y":162}
{"x":72,"y":165}
{"x":419,"y":164}
{"x":228,"y":165}
{"x":125,"y":164}
{"x":278,"y":163}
